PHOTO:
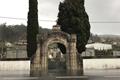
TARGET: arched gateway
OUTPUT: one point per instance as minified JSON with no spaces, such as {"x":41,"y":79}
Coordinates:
{"x":39,"y":61}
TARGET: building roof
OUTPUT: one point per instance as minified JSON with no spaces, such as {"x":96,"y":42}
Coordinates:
{"x":99,"y":46}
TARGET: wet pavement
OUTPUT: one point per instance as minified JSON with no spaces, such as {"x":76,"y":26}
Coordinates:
{"x":88,"y":75}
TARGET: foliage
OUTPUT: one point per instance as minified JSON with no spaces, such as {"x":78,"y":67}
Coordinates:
{"x":44,"y":31}
{"x":116,"y":47}
{"x":73,"y":19}
{"x":32,"y":27}
{"x":12,"y":33}
{"x":103,"y":53}
{"x":95,"y":38}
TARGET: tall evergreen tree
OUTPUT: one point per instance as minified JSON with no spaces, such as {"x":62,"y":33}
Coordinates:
{"x":32,"y":27}
{"x":73,"y":19}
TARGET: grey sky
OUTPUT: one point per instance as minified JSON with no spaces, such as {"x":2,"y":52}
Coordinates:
{"x":98,"y":10}
{"x":104,"y":11}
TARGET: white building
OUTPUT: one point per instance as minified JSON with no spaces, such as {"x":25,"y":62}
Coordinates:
{"x":99,"y":46}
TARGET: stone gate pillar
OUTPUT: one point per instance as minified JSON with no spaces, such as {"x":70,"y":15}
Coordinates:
{"x":35,"y":65}
{"x":44,"y":59}
{"x":73,"y":53}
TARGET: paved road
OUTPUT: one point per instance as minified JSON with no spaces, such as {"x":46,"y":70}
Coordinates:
{"x":63,"y":78}
{"x":89,"y":75}
{"x":103,"y":74}
{"x":104,"y":78}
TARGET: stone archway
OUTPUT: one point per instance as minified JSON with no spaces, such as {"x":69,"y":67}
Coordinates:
{"x":56,"y":57}
{"x":51,"y":40}
{"x":39,"y":60}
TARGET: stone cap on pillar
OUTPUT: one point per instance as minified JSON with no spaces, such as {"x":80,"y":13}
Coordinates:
{"x":73,"y":37}
{"x":56,"y":28}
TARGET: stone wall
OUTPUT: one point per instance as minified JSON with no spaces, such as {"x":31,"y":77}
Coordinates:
{"x":22,"y":65}
{"x":101,"y":63}
{"x":87,"y":64}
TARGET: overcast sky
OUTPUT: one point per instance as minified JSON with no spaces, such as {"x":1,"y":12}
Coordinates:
{"x":98,"y":11}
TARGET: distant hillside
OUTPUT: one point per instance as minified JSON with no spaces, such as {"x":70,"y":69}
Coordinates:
{"x":115,"y":38}
{"x":110,"y":36}
{"x":105,"y":38}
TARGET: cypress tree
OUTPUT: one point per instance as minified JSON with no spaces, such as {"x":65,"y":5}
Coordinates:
{"x":73,"y":19}
{"x":32,"y":28}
